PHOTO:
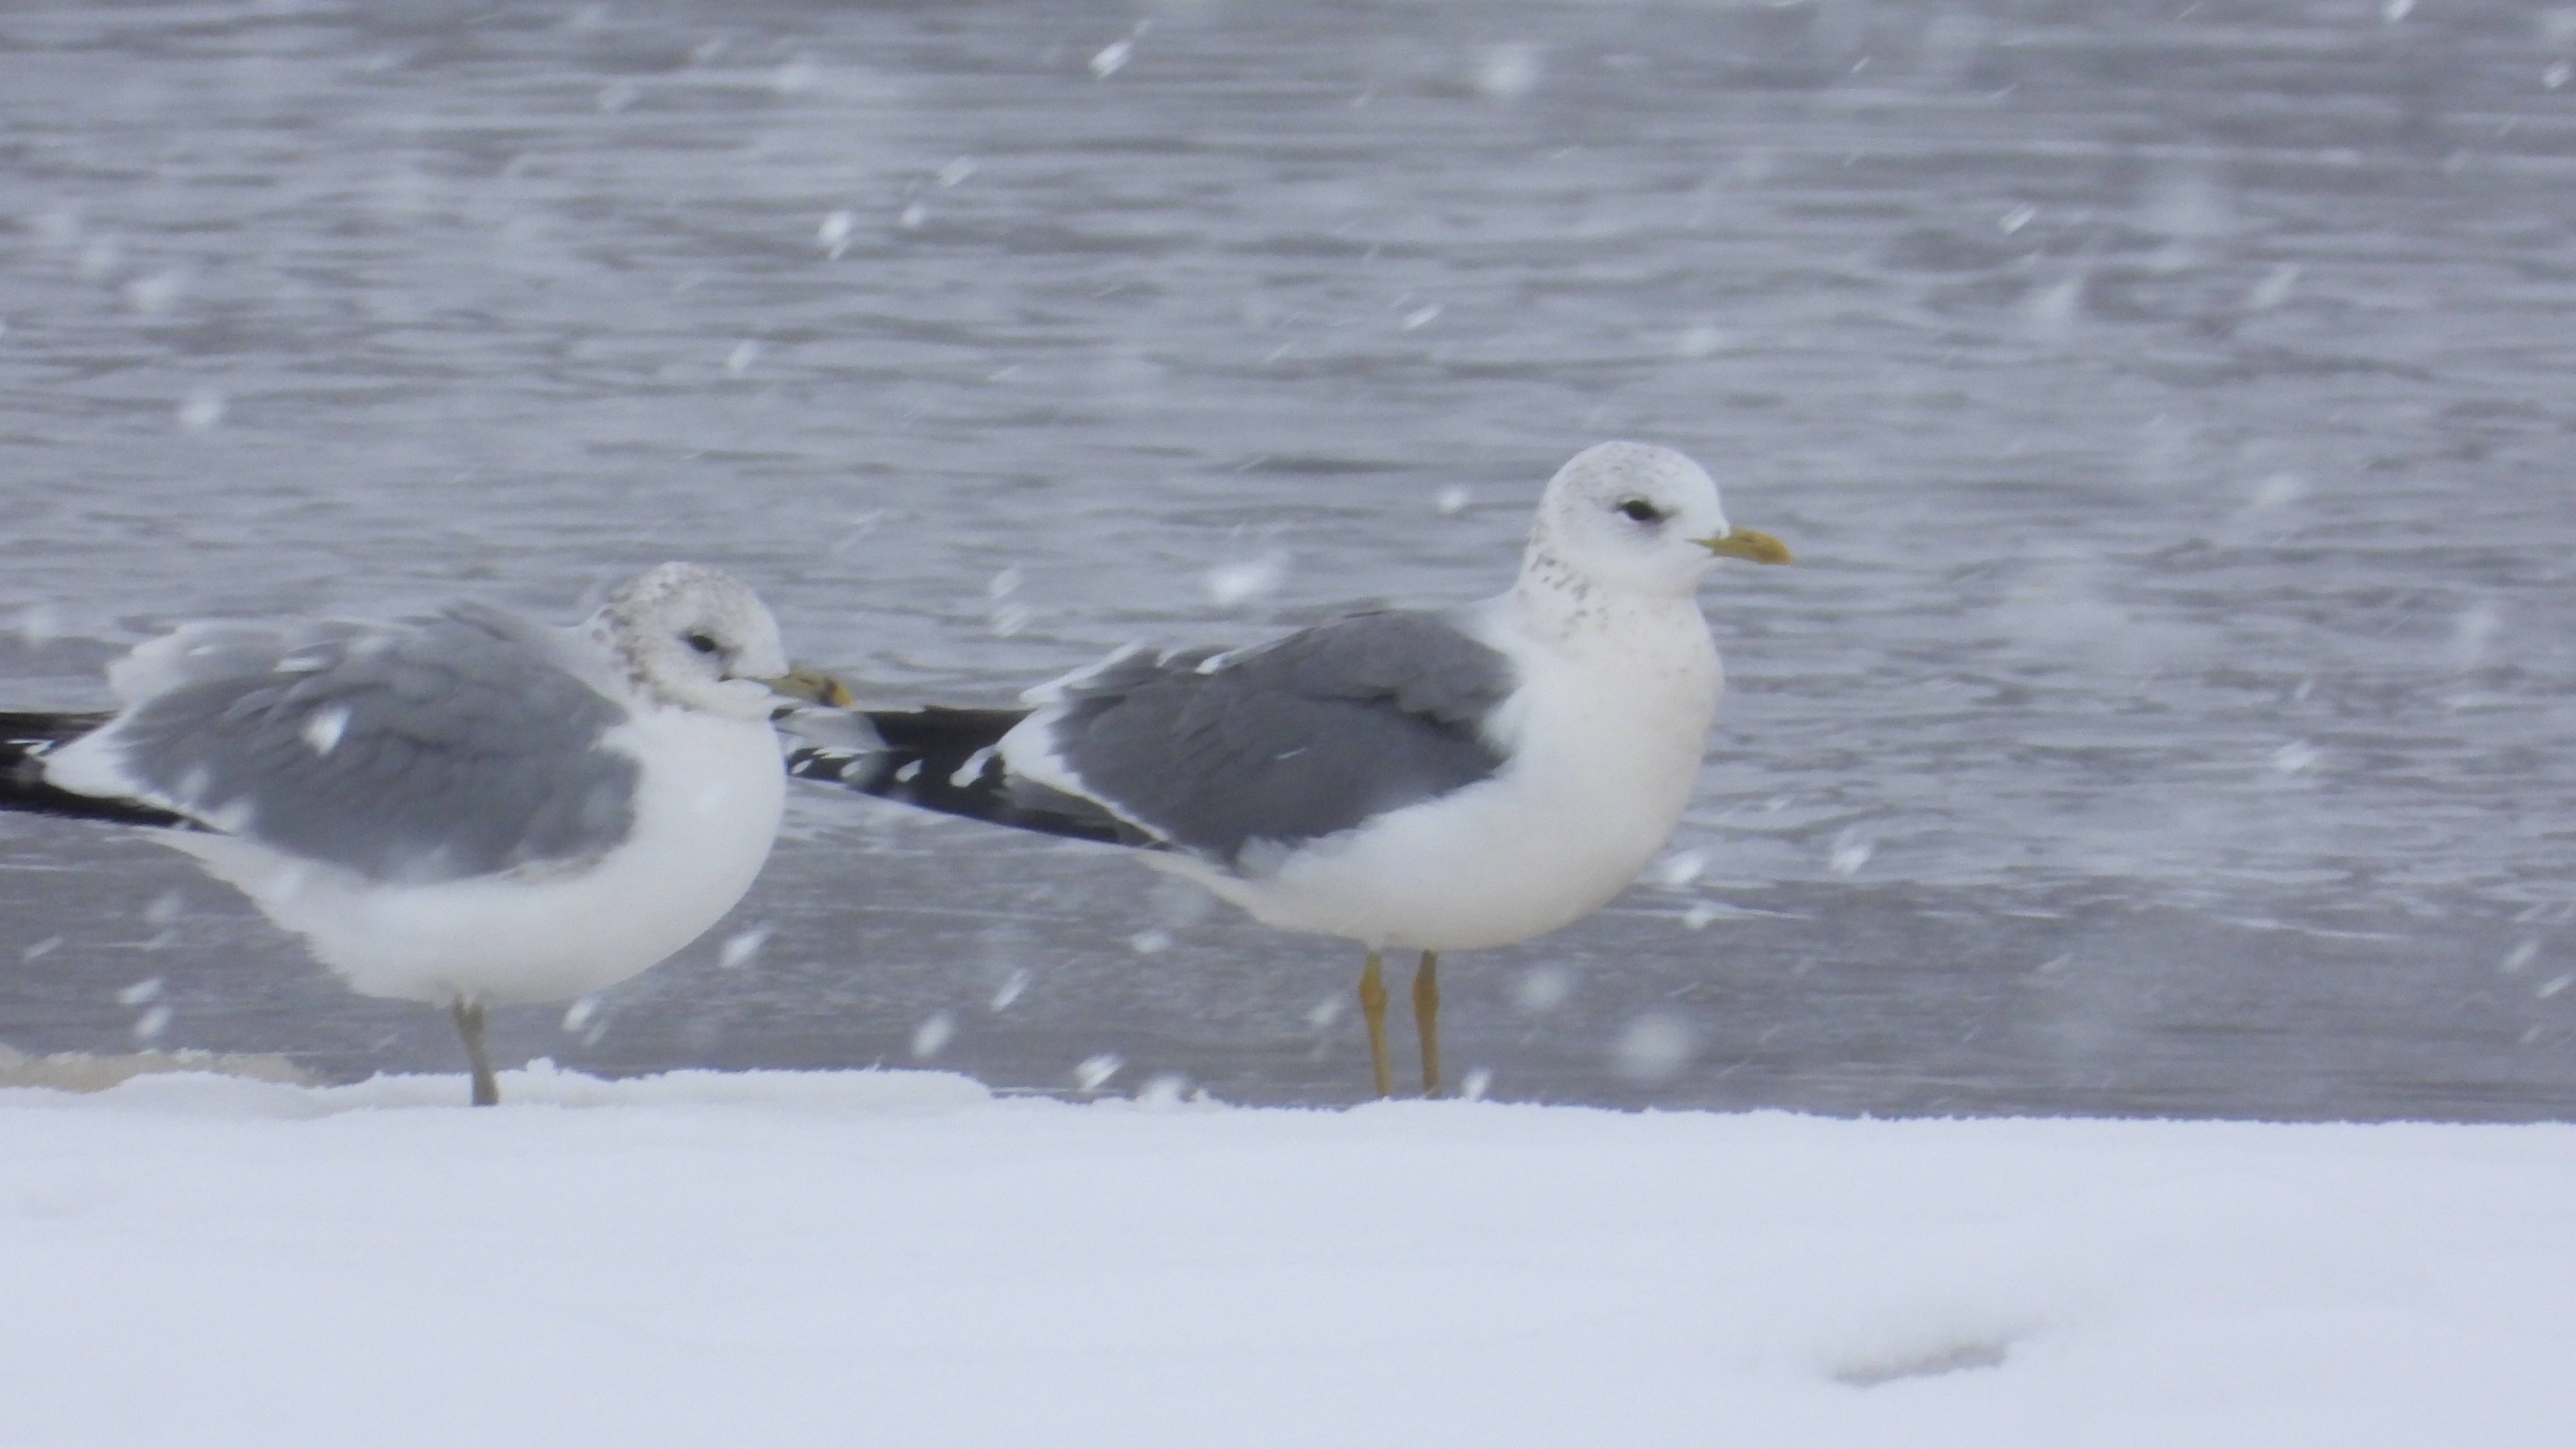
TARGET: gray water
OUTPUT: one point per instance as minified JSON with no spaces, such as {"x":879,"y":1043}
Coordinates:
{"x":2171,"y":406}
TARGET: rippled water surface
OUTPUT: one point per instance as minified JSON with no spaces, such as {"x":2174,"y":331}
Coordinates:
{"x":2173,"y":407}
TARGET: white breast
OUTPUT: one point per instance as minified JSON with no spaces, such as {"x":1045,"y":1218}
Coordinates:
{"x":706,"y":811}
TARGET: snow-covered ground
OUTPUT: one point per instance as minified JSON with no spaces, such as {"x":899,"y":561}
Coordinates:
{"x":895,"y":1258}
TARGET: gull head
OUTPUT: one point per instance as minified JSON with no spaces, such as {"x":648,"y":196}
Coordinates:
{"x":1633,"y":516}
{"x":693,"y":638}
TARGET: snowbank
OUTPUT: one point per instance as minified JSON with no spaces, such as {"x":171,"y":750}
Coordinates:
{"x":780,"y":1259}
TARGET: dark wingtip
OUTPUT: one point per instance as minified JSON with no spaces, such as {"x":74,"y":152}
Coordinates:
{"x":25,"y":736}
{"x":929,"y":760}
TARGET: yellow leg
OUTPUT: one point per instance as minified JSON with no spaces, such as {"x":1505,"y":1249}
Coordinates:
{"x":1373,"y":1011}
{"x":1426,"y":1016}
{"x":469,"y":1025}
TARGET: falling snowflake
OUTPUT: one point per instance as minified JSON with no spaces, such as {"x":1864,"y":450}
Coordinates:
{"x":1509,"y":72}
{"x":1244,"y":580}
{"x":742,"y":947}
{"x":202,"y":410}
{"x":2296,"y":756}
{"x":1851,"y":851}
{"x":1652,"y":1049}
{"x":1010,"y":989}
{"x":1681,"y":868}
{"x":834,"y":233}
{"x":933,"y":1034}
{"x":1543,"y":989}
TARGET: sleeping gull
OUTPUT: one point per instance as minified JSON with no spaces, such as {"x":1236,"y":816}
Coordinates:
{"x":1426,"y":781}
{"x":464,"y":808}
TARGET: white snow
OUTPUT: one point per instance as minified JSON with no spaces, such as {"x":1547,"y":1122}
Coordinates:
{"x":901,"y":1258}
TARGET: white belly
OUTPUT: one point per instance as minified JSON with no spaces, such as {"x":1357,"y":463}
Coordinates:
{"x":1598,"y":778}
{"x":706,"y":810}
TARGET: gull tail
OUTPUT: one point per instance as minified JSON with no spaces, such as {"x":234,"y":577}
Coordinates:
{"x":944,"y":760}
{"x":25,"y":738}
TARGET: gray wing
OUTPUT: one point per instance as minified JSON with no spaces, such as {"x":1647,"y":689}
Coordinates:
{"x":432,"y":749}
{"x":1289,"y":742}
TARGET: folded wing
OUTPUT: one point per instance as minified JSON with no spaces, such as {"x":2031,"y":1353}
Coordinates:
{"x":437,"y":748}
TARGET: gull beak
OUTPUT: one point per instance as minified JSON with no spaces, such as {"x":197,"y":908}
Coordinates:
{"x":1744,"y":543}
{"x":813,"y":686}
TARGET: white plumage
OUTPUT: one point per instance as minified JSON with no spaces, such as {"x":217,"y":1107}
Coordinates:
{"x":466,"y":808}
{"x":1424,"y":781}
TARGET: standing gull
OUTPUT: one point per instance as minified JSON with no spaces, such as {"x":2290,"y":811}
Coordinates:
{"x":1425,"y":781}
{"x":465,"y":808}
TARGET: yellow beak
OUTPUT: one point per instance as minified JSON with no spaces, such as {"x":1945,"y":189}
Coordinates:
{"x":812,"y":685}
{"x":1744,"y":543}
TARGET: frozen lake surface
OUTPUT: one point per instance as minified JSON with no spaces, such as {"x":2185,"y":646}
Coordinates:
{"x":2174,"y":710}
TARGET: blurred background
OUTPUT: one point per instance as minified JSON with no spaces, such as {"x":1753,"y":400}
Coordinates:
{"x":2172,"y":406}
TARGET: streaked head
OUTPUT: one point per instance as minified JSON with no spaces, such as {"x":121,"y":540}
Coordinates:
{"x":695,"y":638}
{"x":1636,"y":516}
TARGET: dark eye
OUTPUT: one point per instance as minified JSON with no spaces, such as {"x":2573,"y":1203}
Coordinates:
{"x":703,"y":643}
{"x":1638,"y":510}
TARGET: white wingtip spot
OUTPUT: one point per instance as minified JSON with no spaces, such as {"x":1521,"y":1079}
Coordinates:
{"x":966,"y":773}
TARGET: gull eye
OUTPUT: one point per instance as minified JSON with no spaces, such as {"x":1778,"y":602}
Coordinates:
{"x":1638,"y":510}
{"x":703,"y":643}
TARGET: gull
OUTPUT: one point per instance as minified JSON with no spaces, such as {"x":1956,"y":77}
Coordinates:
{"x":463,"y":808}
{"x":1427,"y":781}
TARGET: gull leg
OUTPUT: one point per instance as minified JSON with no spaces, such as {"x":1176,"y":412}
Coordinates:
{"x":469,"y":1025}
{"x":1426,"y":1017}
{"x":1373,"y":1011}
